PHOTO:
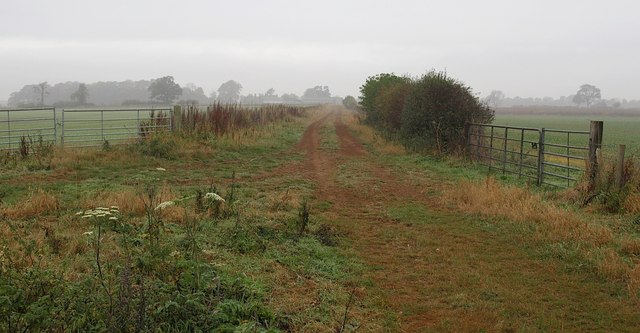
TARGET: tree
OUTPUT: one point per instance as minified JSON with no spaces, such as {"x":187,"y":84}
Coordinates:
{"x":587,"y":94}
{"x":350,"y":103}
{"x":372,"y":89}
{"x":436,"y":111}
{"x":81,"y":95}
{"x":41,"y":89}
{"x":390,"y":104}
{"x":270,"y":93}
{"x":192,"y":94}
{"x":317,"y":92}
{"x":494,"y":98}
{"x":165,"y":90}
{"x":290,"y":98}
{"x":229,"y":92}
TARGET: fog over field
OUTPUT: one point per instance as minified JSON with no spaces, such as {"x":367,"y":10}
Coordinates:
{"x":524,"y":48}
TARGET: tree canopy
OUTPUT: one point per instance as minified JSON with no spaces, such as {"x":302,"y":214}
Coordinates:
{"x":81,"y":95}
{"x":229,"y":92}
{"x":587,"y":94}
{"x":165,"y":90}
{"x":317,"y":92}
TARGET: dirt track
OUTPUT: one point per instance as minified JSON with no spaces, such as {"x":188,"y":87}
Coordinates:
{"x":435,"y":269}
{"x":363,"y":210}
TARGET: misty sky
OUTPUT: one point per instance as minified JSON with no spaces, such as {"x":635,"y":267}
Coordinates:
{"x":524,"y":48}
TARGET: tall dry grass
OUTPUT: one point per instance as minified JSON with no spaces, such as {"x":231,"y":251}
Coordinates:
{"x":367,"y":134}
{"x":36,"y":203}
{"x":225,"y":119}
{"x":518,"y":204}
{"x":614,"y":255}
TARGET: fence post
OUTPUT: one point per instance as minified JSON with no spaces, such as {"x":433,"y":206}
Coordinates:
{"x":620,"y":167}
{"x":9,"y":129}
{"x":55,"y":128}
{"x":541,"y":158}
{"x":62,"y":130}
{"x":176,"y":123}
{"x":595,"y":143}
{"x":467,"y":138}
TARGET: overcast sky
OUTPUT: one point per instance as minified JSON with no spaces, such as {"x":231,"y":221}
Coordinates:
{"x":524,"y":48}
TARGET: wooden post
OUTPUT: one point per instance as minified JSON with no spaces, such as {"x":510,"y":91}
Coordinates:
{"x":595,"y":144}
{"x":467,"y":139}
{"x":176,"y":119}
{"x":620,"y":167}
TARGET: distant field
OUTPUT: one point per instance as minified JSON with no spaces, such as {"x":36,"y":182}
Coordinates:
{"x":84,"y":128}
{"x":617,"y":129}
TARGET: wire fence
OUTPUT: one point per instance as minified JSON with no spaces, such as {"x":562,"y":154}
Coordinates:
{"x":552,"y":157}
{"x":18,"y":125}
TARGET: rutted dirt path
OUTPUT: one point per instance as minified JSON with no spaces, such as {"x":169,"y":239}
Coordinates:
{"x":433,"y":272}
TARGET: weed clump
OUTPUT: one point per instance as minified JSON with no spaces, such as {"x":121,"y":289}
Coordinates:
{"x":158,"y":146}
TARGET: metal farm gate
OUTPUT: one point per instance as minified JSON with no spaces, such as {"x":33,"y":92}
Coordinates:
{"x":546,"y":156}
{"x":94,"y":127}
{"x":32,"y":124}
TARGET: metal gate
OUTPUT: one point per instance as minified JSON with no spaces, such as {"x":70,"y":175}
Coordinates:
{"x":547,"y":156}
{"x":30,"y":124}
{"x":94,"y":127}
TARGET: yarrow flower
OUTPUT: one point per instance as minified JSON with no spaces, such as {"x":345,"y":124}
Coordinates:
{"x":100,"y":212}
{"x":214,"y":197}
{"x":165,"y":205}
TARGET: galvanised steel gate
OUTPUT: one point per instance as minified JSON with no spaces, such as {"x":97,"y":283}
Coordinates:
{"x":547,"y":156}
{"x":94,"y":127}
{"x":26,"y":124}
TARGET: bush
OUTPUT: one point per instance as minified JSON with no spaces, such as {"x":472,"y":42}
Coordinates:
{"x":436,"y":111}
{"x":157,"y":145}
{"x":372,"y":89}
{"x":390,"y":104}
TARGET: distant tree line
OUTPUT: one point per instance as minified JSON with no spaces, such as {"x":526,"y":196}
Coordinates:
{"x":425,"y":113}
{"x":587,"y":95}
{"x":160,"y":91}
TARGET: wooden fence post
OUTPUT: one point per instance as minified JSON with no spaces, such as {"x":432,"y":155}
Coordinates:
{"x":467,"y":139}
{"x":176,"y":119}
{"x":595,"y":144}
{"x":620,"y":168}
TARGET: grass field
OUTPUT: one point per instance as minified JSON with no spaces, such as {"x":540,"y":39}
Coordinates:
{"x":82,"y":128}
{"x":617,"y":129}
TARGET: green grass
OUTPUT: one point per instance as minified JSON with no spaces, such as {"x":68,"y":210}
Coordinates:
{"x":253,"y":260}
{"x":616,"y":130}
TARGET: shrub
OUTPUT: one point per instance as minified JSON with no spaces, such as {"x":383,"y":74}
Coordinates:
{"x":157,"y":145}
{"x":390,"y":104}
{"x":374,"y":87}
{"x":436,"y":111}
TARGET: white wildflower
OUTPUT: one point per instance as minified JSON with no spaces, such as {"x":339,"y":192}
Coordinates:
{"x":102,"y":208}
{"x":161,"y":169}
{"x":88,"y":233}
{"x":113,"y":218}
{"x":79,"y":213}
{"x":114,"y":208}
{"x":165,"y":205}
{"x":87,"y":216}
{"x":214,"y":197}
